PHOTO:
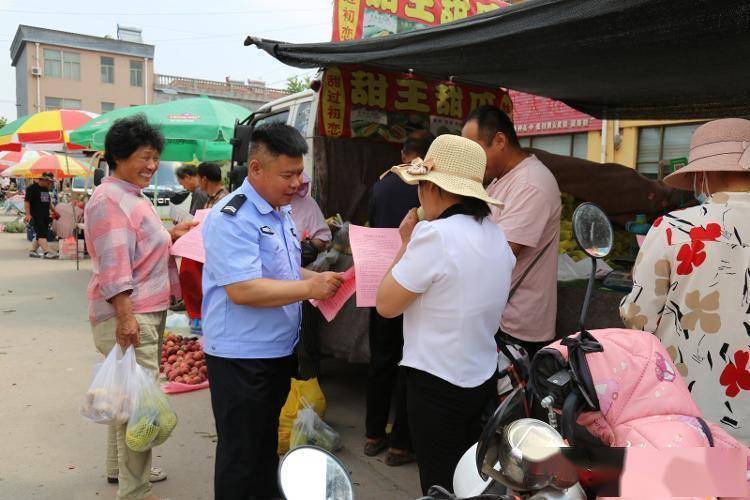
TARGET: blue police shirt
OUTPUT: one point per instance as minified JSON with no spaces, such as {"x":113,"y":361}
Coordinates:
{"x":256,"y":242}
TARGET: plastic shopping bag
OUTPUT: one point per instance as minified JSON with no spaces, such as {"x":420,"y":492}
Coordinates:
{"x":152,"y":419}
{"x":68,"y":248}
{"x":309,"y":428}
{"x":312,"y":393}
{"x":109,"y":399}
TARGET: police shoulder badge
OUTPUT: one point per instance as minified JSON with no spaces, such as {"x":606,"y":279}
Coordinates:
{"x":234,"y":204}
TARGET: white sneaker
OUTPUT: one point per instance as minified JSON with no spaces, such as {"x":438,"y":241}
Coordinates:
{"x":51,"y":255}
{"x":35,"y":255}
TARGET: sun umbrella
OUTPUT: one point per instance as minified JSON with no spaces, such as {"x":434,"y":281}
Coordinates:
{"x":48,"y":130}
{"x":12,"y":158}
{"x":36,"y":163}
{"x":197,"y":128}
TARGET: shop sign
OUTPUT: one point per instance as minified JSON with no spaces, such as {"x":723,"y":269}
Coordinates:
{"x":361,"y":19}
{"x":535,"y":115}
{"x":357,"y":101}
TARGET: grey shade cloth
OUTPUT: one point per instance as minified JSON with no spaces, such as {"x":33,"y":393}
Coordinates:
{"x":607,"y":58}
{"x":347,"y":336}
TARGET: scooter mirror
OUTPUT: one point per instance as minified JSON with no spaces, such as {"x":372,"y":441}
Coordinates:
{"x":513,"y":408}
{"x":592,"y":230}
{"x":311,"y":473}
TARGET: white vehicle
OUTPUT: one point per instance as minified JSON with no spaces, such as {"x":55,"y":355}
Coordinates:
{"x":164,"y":184}
{"x":363,"y":160}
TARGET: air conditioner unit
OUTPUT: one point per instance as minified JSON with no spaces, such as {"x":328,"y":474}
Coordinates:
{"x":36,"y":71}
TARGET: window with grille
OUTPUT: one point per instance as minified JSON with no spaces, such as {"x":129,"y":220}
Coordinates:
{"x":108,"y":69}
{"x":136,"y":73}
{"x":51,"y":103}
{"x":52,"y":63}
{"x":71,"y":65}
{"x":657,"y":146}
{"x":576,"y":145}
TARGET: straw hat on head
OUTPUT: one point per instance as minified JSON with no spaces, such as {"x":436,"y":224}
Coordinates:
{"x":454,"y":163}
{"x":717,"y":146}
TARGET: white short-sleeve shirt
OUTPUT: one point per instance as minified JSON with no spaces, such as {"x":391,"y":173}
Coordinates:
{"x":462,"y":270}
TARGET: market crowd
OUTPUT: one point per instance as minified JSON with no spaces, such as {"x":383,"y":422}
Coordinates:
{"x":477,"y":266}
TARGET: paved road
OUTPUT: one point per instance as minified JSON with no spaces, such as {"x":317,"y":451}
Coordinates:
{"x":46,"y":355}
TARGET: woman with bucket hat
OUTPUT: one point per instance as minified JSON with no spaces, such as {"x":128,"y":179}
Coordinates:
{"x":691,"y":280}
{"x":451,"y":281}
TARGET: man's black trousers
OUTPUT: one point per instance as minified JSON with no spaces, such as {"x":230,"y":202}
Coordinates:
{"x":246,"y":397}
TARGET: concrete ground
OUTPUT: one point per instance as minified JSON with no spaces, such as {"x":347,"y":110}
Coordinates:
{"x":46,"y":356}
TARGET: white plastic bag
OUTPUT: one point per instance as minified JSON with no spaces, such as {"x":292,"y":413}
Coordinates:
{"x":152,"y":419}
{"x":177,"y":322}
{"x":309,"y":428}
{"x":109,"y":399}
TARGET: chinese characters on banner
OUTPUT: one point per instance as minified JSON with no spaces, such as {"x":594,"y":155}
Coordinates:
{"x":358,"y":19}
{"x":360,"y":102}
{"x":535,"y":115}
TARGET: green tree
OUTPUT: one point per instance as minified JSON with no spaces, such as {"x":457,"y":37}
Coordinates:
{"x":3,"y":121}
{"x":296,"y":84}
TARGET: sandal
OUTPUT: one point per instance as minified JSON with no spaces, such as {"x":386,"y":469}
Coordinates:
{"x":394,"y":458}
{"x":374,"y":447}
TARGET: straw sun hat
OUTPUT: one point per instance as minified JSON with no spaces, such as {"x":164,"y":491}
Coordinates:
{"x":454,"y":163}
{"x":717,"y":146}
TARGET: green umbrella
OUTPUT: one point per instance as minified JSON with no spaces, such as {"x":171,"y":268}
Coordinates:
{"x":197,"y":128}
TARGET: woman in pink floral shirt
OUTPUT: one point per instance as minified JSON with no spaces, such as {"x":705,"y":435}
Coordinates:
{"x":692,"y":276}
{"x":133,"y":277}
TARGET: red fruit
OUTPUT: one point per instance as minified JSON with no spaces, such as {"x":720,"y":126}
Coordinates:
{"x":170,"y":343}
{"x":172,"y":358}
{"x":179,"y":380}
{"x":203,"y":370}
{"x":189,"y":356}
{"x":180,"y":352}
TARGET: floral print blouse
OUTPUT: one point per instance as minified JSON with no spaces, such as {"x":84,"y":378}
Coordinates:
{"x":691,"y":287}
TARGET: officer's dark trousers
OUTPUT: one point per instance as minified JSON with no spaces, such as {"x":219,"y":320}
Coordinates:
{"x":246,"y":397}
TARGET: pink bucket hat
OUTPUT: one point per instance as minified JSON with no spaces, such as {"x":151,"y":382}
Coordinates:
{"x":717,"y":146}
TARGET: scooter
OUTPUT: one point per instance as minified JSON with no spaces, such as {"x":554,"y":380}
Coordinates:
{"x":519,"y":457}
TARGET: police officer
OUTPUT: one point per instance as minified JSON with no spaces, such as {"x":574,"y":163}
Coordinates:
{"x":253,"y":285}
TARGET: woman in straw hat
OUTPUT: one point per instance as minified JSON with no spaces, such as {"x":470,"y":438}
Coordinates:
{"x":692,"y":276}
{"x":450,"y":280}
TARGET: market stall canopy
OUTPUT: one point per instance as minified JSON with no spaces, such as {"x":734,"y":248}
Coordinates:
{"x":196,"y":128}
{"x":623,"y":59}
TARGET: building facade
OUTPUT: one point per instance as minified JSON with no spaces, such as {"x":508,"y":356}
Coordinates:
{"x":653,"y":147}
{"x":58,"y":69}
{"x":251,"y":94}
